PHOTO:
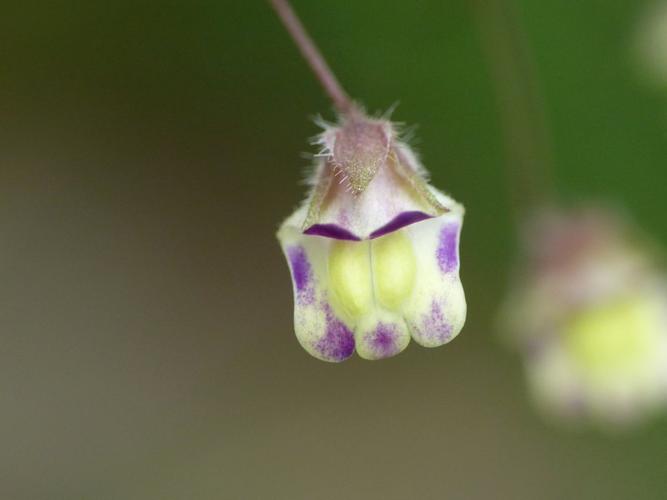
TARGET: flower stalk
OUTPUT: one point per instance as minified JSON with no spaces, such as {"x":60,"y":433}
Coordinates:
{"x":313,"y":56}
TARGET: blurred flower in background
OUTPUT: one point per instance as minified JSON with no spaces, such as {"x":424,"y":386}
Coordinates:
{"x":587,"y":307}
{"x":651,"y":43}
{"x":588,"y":313}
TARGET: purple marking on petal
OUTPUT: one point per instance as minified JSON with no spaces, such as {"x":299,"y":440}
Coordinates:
{"x":383,"y":340}
{"x":302,"y":275}
{"x":434,"y":325}
{"x":447,"y":253}
{"x":301,"y":271}
{"x":331,"y":231}
{"x":337,"y":344}
{"x":401,"y":220}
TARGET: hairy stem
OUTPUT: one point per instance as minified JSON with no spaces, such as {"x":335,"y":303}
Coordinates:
{"x":312,"y":55}
{"x":522,"y":110}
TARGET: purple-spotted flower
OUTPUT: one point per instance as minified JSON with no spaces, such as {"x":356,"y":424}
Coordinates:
{"x":588,"y":311}
{"x":373,"y":250}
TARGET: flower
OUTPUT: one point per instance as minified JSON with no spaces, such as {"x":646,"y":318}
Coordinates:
{"x":373,"y":251}
{"x":588,"y":312}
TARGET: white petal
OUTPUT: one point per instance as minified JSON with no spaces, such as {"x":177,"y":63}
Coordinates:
{"x":318,"y":328}
{"x":381,"y":334}
{"x":436,"y":310}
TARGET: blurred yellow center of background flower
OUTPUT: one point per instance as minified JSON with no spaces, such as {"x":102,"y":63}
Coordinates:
{"x":362,"y":273}
{"x":613,"y":338}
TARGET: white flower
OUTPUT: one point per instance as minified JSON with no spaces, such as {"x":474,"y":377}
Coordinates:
{"x":373,"y":251}
{"x":589,"y":315}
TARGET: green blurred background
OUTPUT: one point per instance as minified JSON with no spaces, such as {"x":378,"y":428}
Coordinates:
{"x":149,"y":151}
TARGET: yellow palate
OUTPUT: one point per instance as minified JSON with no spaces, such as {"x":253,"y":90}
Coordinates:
{"x":363,"y":274}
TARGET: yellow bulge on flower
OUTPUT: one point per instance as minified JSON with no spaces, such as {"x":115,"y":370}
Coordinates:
{"x":350,"y":277}
{"x":365,"y":273}
{"x":614,"y":337}
{"x":394,"y":269}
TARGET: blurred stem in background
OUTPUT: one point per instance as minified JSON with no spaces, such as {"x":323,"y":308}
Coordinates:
{"x":313,"y":56}
{"x":521,"y":105}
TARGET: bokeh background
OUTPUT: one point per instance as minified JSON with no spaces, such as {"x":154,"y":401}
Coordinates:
{"x":148,"y":152}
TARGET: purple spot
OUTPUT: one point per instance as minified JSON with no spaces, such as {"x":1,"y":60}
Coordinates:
{"x":434,"y":325}
{"x":383,"y":341}
{"x":331,"y":231}
{"x":301,"y":271}
{"x":302,"y":275}
{"x":338,"y":341}
{"x":447,"y":253}
{"x":401,"y":220}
